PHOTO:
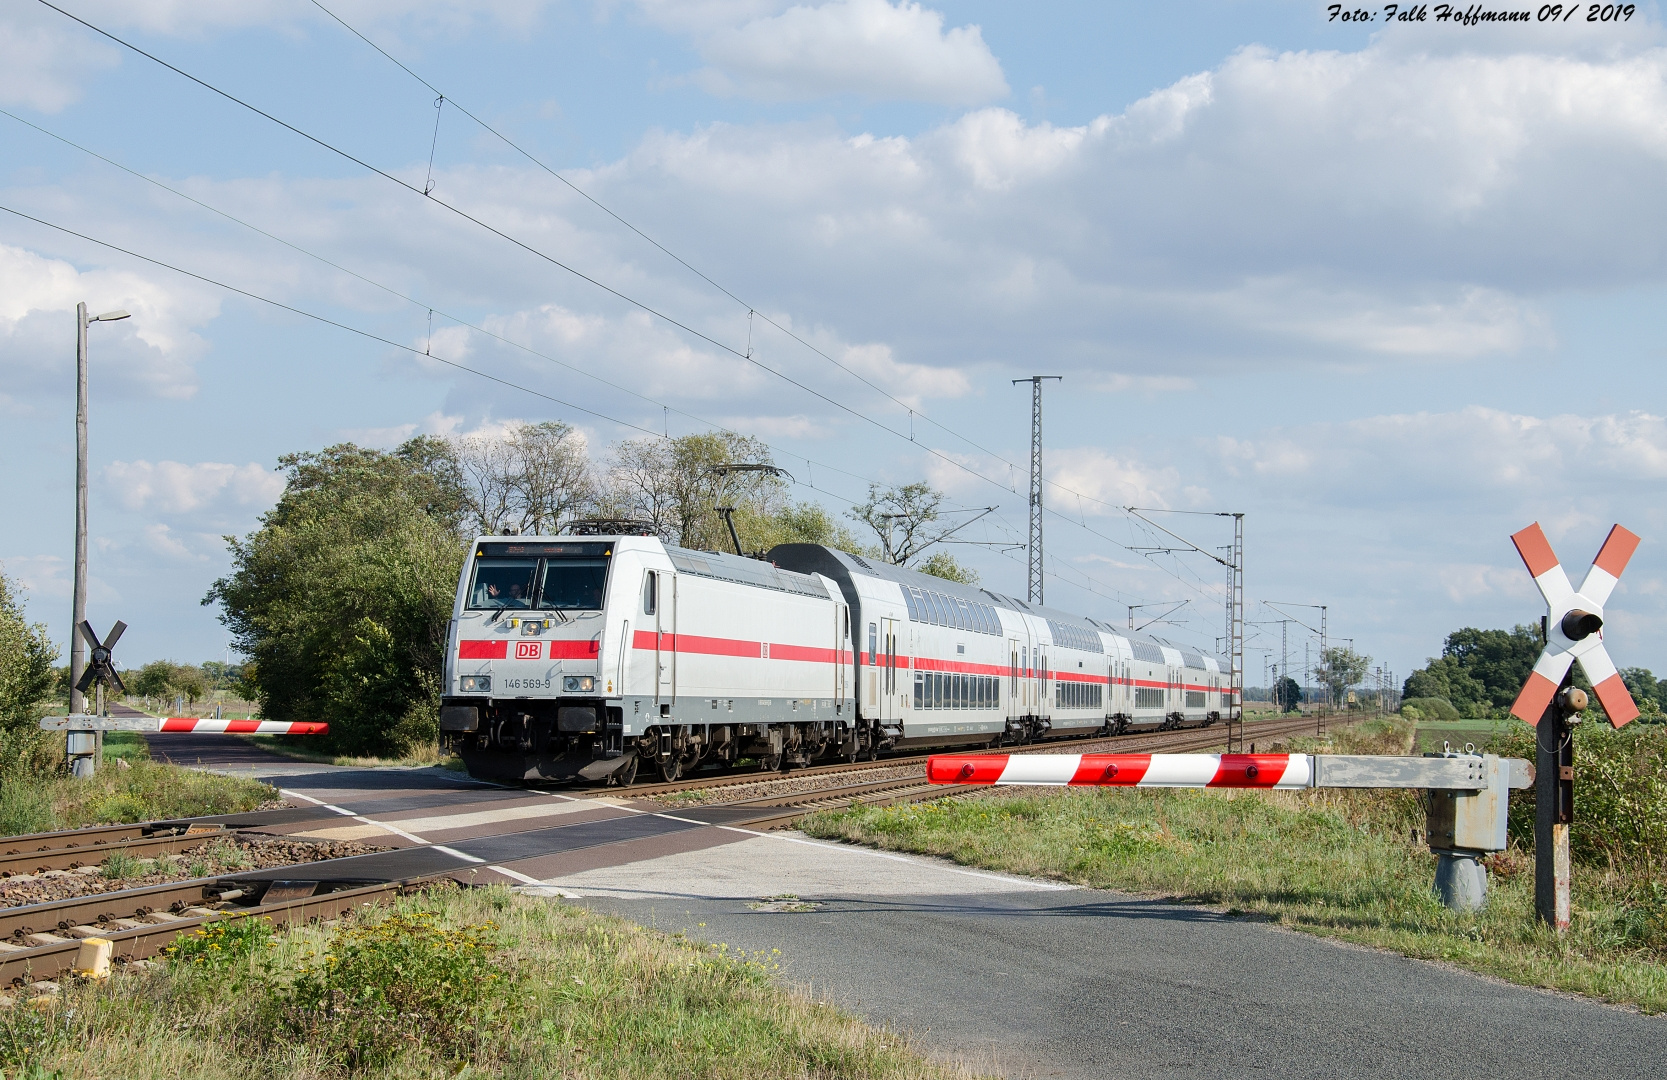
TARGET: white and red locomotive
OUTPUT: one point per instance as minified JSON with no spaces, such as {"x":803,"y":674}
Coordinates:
{"x":589,"y":656}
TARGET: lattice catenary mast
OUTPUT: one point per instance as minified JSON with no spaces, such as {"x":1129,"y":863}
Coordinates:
{"x":1034,"y":546}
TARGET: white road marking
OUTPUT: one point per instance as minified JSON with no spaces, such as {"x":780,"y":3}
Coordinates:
{"x":445,"y":822}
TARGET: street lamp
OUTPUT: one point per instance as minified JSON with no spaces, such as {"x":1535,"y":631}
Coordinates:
{"x":77,"y":647}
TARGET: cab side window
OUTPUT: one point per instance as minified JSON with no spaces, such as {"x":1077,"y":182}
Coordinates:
{"x":650,"y":592}
{"x":873,"y":643}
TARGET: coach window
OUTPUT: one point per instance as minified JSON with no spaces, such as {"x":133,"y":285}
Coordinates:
{"x":873,"y":644}
{"x":650,"y":587}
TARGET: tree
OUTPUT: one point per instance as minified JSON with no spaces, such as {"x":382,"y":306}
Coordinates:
{"x":533,"y":479}
{"x":1479,"y":671}
{"x":678,"y":484}
{"x":1286,"y":694}
{"x":1340,"y":667}
{"x":27,"y":676}
{"x":1645,"y":688}
{"x":155,"y":679}
{"x":905,"y":519}
{"x":341,"y":598}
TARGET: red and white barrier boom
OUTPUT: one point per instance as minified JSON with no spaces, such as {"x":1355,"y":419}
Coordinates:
{"x":1468,"y":793}
{"x":154,"y":724}
{"x":1272,"y":772}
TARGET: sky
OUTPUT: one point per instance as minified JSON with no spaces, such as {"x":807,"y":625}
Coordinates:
{"x":1392,"y":290}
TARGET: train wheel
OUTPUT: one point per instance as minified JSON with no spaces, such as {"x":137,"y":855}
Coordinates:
{"x":670,"y":769}
{"x":627,"y":774}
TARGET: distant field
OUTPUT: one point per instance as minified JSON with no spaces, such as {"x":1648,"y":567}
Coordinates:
{"x":1432,"y":733}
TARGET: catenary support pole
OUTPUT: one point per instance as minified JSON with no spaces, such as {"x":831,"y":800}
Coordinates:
{"x":1034,"y":543}
{"x":77,"y":647}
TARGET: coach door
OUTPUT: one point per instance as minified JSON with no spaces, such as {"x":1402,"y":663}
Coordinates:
{"x":665,"y":639}
{"x":842,"y":653}
{"x":889,"y":710}
{"x":1043,"y":690}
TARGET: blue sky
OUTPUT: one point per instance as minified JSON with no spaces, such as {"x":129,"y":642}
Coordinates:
{"x":1392,"y":292}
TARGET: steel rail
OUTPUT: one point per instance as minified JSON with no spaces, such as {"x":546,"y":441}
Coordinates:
{"x":72,"y":858}
{"x":140,"y":943}
{"x":106,"y":908}
{"x":99,"y":836}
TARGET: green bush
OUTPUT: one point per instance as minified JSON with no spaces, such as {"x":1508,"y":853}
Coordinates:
{"x":1620,"y":794}
{"x":27,"y":678}
{"x":399,"y":983}
{"x":1431,"y":708}
{"x":221,"y":944}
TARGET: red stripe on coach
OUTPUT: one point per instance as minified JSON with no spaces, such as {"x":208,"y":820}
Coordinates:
{"x":483,"y":650}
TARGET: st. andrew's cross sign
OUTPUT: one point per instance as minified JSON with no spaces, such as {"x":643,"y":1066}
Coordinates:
{"x":1574,"y":625}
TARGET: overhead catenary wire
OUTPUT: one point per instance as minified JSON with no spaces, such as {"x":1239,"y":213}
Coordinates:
{"x":752,"y":310}
{"x":372,"y":336}
{"x":417,"y":302}
{"x":624,"y":297}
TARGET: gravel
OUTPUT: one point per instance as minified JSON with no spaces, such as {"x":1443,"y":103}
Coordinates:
{"x":216,"y":856}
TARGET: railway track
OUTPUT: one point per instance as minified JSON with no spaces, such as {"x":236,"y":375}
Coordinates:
{"x":146,"y":929}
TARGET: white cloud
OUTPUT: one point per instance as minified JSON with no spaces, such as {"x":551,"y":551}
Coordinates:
{"x":866,"y":47}
{"x":42,"y":63}
{"x":1108,"y":482}
{"x":173,"y":487}
{"x":151,"y":353}
{"x":1475,"y":452}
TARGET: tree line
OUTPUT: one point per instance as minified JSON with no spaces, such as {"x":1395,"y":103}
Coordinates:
{"x":1480,"y":672}
{"x":340,"y":599}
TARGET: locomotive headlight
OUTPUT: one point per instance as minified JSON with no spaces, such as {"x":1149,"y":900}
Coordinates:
{"x":475,"y":684}
{"x":579,"y":684}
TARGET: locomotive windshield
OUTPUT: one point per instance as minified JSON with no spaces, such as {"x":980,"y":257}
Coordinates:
{"x":503,"y":583}
{"x":573,"y":584}
{"x":542,"y":584}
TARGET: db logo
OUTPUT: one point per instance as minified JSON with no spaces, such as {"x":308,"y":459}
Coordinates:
{"x":526,"y":650}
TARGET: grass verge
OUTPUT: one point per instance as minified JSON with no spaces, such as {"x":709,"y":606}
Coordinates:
{"x":477,"y":982}
{"x":143,"y":791}
{"x":1341,"y":864}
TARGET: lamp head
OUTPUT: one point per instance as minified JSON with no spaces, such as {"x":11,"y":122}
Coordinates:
{"x":1579,"y":625}
{"x":111,"y":316}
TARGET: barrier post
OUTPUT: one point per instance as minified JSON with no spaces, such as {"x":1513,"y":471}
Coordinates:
{"x":1554,"y":804}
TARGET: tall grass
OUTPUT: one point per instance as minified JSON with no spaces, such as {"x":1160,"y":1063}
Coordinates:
{"x":145,"y":791}
{"x":477,"y":983}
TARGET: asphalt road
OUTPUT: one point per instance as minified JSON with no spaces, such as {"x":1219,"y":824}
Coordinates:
{"x":1034,"y":982}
